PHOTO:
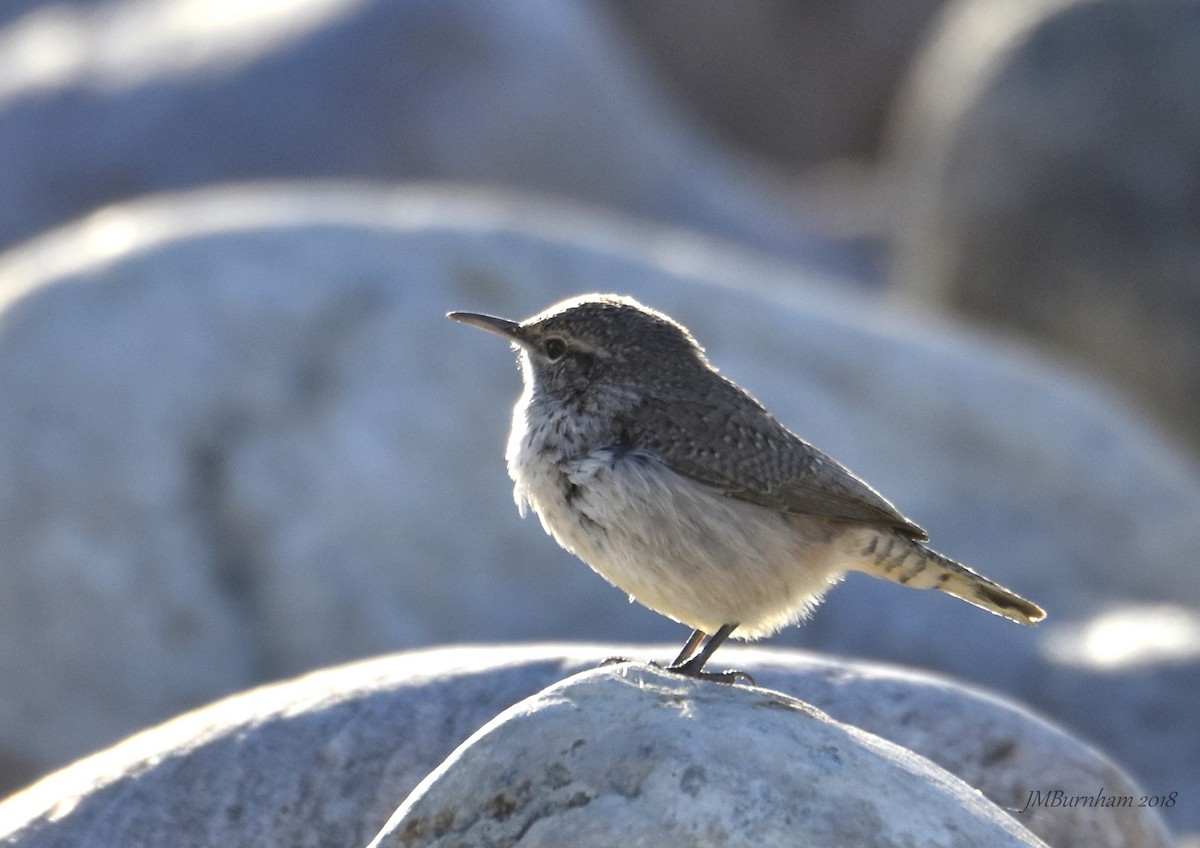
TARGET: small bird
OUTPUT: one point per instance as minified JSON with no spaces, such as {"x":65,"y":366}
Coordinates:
{"x":678,"y":487}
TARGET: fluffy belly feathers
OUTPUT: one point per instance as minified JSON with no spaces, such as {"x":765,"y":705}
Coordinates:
{"x":678,"y":547}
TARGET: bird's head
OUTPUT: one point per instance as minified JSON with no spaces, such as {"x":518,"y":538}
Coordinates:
{"x":596,"y":344}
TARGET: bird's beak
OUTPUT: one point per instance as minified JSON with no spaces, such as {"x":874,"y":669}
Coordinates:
{"x":500,"y":326}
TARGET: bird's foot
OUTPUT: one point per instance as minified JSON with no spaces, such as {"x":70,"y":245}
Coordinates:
{"x":729,"y":676}
{"x":689,"y":669}
{"x":622,"y":660}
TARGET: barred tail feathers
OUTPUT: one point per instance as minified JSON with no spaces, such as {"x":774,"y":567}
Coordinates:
{"x":911,"y":563}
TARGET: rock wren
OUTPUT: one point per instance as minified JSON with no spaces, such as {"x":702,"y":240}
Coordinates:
{"x":678,"y":487}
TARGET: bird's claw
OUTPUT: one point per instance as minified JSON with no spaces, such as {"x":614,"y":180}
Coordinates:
{"x":729,"y":676}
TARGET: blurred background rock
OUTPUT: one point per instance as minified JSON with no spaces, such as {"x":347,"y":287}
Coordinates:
{"x":237,"y":442}
{"x":1048,"y":179}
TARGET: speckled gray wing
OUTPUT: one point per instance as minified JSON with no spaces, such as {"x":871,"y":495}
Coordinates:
{"x":745,"y":453}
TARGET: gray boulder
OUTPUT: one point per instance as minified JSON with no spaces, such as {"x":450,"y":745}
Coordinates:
{"x":1050,"y":183}
{"x":797,"y":83}
{"x":323,"y":760}
{"x":238,"y":441}
{"x":634,"y":755}
{"x":538,"y":94}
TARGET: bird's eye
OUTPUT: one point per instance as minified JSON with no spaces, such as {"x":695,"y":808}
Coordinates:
{"x":555,"y":348}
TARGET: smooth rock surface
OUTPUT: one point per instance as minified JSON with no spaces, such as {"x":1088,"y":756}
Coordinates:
{"x":635,"y":755}
{"x":1046,"y":154}
{"x":101,"y":102}
{"x":239,"y":441}
{"x":339,"y":750}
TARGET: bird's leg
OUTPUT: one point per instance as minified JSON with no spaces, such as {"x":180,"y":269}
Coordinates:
{"x":689,"y":647}
{"x":694,"y":667}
